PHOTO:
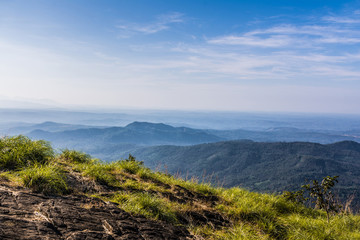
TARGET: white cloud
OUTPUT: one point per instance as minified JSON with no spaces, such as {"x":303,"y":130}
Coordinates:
{"x":162,"y":22}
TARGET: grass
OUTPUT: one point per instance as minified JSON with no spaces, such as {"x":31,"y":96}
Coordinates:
{"x":193,"y":184}
{"x":46,"y":179}
{"x":239,"y":232}
{"x":129,"y":166}
{"x":159,"y":196}
{"x":19,"y":151}
{"x":100,"y":172}
{"x":145,"y":204}
{"x":75,"y":156}
{"x":282,"y":219}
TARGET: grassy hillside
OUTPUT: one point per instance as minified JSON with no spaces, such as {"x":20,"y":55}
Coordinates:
{"x":207,"y":212}
{"x":264,"y":167}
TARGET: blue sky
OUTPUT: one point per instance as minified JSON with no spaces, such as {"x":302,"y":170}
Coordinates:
{"x":283,"y":56}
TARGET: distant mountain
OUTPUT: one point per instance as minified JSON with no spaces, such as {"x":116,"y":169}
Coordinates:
{"x":110,"y":142}
{"x":45,"y":126}
{"x":288,"y":134}
{"x":136,"y":133}
{"x":266,"y":167}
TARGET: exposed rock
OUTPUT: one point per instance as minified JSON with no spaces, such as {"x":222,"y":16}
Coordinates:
{"x":26,"y":215}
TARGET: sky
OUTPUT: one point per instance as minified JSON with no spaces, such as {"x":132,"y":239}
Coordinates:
{"x":219,"y":55}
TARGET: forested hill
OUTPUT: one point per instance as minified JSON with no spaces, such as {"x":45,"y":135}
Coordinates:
{"x":267,"y":167}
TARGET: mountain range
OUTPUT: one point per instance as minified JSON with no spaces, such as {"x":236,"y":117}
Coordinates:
{"x":111,"y":142}
{"x":273,"y":164}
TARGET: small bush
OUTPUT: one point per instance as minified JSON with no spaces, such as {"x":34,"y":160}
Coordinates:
{"x":75,"y":156}
{"x":44,"y":179}
{"x":19,"y":151}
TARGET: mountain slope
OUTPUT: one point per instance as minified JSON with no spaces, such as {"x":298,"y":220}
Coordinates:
{"x":268,"y":167}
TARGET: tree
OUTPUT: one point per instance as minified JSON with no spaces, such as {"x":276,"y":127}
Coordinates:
{"x":324,"y":197}
{"x":319,"y":193}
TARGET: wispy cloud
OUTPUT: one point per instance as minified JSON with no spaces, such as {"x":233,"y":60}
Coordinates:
{"x":294,"y":36}
{"x":272,"y":41}
{"x":319,"y":51}
{"x":161,"y":23}
{"x":329,"y":30}
{"x":338,"y":39}
{"x":341,"y":19}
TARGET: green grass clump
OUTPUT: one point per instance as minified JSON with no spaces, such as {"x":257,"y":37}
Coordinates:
{"x":240,"y":231}
{"x":340,"y":227}
{"x":130,"y":166}
{"x":146,"y":174}
{"x":19,"y":152}
{"x":75,"y":156}
{"x":192,"y":184}
{"x":145,"y":204}
{"x":46,"y":179}
{"x":10,"y":177}
{"x":100,"y":172}
{"x":195,"y":185}
{"x":131,"y":184}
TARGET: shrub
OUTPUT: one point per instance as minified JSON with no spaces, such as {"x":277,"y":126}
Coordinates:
{"x":44,"y":179}
{"x":19,"y":151}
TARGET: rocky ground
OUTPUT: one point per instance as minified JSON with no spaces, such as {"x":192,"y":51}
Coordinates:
{"x":26,"y":215}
